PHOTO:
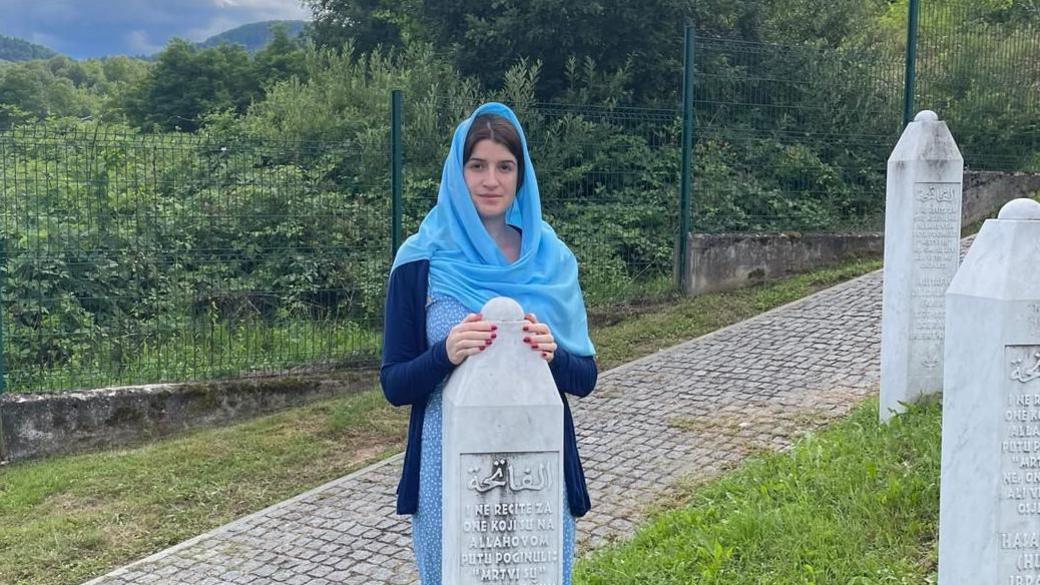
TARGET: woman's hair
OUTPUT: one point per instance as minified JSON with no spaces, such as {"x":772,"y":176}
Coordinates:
{"x":496,"y":129}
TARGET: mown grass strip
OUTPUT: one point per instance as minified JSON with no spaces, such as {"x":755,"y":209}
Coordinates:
{"x":67,"y":519}
{"x":855,"y":504}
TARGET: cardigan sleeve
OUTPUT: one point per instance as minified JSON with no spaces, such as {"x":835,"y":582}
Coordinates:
{"x":574,"y":374}
{"x":410,"y":371}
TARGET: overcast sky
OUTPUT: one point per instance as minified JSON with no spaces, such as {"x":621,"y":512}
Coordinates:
{"x":94,"y":28}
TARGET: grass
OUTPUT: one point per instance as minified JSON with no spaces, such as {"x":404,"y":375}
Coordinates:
{"x":64,"y":520}
{"x":855,"y":504}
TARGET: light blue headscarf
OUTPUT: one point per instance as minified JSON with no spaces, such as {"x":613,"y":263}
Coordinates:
{"x":467,"y":264}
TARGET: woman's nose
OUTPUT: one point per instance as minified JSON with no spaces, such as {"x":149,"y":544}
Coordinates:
{"x":491,"y":178}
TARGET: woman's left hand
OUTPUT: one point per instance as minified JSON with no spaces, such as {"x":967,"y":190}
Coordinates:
{"x":539,"y":338}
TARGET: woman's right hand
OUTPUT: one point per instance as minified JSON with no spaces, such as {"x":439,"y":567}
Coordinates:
{"x":473,"y":335}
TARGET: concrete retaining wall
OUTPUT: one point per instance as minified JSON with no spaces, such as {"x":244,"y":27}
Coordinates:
{"x":37,"y":425}
{"x":719,"y":262}
{"x":985,"y":192}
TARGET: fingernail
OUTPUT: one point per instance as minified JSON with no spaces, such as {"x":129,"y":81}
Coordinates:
{"x":545,"y":354}
{"x":487,"y":342}
{"x":527,"y":340}
{"x":494,"y":335}
{"x":534,"y":345}
{"x":483,"y":348}
{"x":525,"y":328}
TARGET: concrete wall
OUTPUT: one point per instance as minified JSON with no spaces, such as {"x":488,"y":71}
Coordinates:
{"x":37,"y":425}
{"x":985,"y":192}
{"x":719,"y":262}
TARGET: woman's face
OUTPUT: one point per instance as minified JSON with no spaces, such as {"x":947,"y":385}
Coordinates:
{"x":491,"y":176}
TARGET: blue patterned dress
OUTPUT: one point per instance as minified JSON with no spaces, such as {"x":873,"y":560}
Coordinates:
{"x":443,"y":313}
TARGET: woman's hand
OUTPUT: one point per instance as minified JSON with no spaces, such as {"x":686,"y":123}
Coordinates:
{"x":471,"y":336}
{"x":539,"y":338}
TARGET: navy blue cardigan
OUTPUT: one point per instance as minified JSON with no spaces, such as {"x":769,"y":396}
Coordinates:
{"x":412,"y":370}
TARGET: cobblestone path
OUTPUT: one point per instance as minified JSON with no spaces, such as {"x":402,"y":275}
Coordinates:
{"x":687,"y":412}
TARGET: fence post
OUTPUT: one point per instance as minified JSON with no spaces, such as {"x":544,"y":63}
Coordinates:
{"x":3,"y":373}
{"x":686,"y":186}
{"x":910,"y":79}
{"x":396,"y":169}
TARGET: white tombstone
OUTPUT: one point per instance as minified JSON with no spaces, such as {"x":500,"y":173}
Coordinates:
{"x":503,"y":463}
{"x":922,"y":249}
{"x":989,"y":510}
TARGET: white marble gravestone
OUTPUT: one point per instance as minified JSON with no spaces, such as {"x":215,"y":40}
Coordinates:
{"x":922,"y":249}
{"x":503,"y":463}
{"x":989,"y":510}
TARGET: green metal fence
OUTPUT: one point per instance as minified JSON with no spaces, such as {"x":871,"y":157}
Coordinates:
{"x":134,"y":258}
{"x":792,"y":138}
{"x":979,"y":69}
{"x":142,"y":258}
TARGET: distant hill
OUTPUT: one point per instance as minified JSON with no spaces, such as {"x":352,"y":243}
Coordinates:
{"x":15,"y":49}
{"x":254,"y":36}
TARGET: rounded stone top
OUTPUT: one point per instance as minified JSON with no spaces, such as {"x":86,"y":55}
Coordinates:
{"x":1020,"y":209}
{"x":502,"y":309}
{"x":926,"y":116}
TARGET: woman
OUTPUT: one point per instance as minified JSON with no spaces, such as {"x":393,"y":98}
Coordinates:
{"x":484,"y":238}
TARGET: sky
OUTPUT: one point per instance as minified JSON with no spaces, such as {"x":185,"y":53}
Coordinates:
{"x":95,"y":28}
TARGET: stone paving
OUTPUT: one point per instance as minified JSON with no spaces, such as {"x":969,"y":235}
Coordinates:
{"x":685,"y":413}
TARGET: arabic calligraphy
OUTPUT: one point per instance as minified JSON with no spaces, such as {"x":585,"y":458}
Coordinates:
{"x":504,"y":475}
{"x":1029,"y":375}
{"x":939,"y":195}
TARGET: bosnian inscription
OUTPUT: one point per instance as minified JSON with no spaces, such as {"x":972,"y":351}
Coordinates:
{"x":1019,"y":518}
{"x":936,"y":249}
{"x":511,"y":511}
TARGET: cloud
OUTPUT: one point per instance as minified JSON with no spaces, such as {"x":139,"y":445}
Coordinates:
{"x":139,"y":42}
{"x":268,"y":9}
{"x":217,"y":25}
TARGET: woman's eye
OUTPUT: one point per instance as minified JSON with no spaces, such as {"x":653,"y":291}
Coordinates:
{"x":505,"y":168}
{"x":475,"y":166}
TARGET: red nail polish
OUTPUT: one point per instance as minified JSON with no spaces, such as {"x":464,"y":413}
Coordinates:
{"x":526,"y":328}
{"x":494,"y":335}
{"x":534,"y":345}
{"x":483,"y":348}
{"x":487,"y":342}
{"x":545,"y":354}
{"x":494,"y":327}
{"x":527,"y":340}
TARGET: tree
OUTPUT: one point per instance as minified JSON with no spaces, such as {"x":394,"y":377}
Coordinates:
{"x":365,"y":24}
{"x":484,"y":39}
{"x":187,"y":83}
{"x":281,"y":59}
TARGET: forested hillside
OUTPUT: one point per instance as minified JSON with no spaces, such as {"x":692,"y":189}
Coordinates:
{"x":256,"y":35}
{"x":14,"y":49}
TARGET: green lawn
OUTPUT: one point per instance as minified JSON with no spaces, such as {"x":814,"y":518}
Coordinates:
{"x":855,"y":504}
{"x":64,"y":520}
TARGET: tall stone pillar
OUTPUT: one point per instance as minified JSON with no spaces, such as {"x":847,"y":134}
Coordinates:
{"x":922,"y":250}
{"x":989,"y":508}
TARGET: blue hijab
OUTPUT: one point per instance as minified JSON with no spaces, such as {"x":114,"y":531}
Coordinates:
{"x":467,"y":264}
